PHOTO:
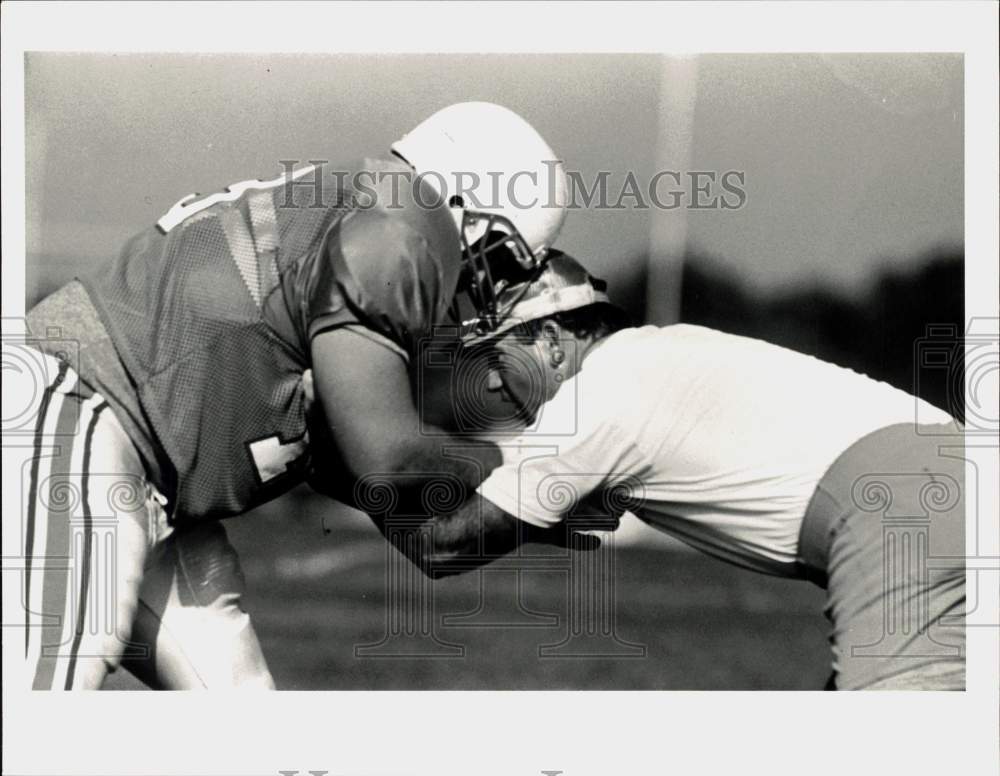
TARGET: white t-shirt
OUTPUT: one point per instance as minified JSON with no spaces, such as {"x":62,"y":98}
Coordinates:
{"x":722,"y":439}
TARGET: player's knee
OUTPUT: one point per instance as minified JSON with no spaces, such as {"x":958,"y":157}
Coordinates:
{"x":219,"y":645}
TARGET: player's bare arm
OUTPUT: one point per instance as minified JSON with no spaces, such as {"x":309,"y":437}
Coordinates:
{"x":378,"y":430}
{"x":478,"y":533}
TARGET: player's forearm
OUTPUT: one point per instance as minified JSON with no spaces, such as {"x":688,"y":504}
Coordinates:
{"x":450,"y":543}
{"x":475,"y":534}
{"x":429,"y":454}
{"x":478,"y":533}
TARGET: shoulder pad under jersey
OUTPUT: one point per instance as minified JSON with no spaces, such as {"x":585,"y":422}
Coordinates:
{"x":391,"y":263}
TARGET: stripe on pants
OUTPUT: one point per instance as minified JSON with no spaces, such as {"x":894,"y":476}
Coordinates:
{"x":36,"y":460}
{"x":46,"y":447}
{"x":63,"y":490}
{"x":88,"y":542}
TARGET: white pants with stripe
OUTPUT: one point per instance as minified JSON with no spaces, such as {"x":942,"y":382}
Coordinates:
{"x":104,"y":580}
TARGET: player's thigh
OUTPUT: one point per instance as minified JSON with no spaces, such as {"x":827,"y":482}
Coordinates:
{"x":85,"y":534}
{"x":191,"y":617}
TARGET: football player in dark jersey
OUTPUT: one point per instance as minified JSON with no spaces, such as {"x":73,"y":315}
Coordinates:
{"x":181,"y":401}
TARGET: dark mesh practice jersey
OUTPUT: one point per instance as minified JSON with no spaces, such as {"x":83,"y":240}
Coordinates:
{"x":212,"y":311}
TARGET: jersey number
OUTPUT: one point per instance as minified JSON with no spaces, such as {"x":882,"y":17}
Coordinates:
{"x":272,"y":457}
{"x":185,"y":208}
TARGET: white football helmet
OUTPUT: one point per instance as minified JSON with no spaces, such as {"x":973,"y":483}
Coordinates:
{"x":506,"y":188}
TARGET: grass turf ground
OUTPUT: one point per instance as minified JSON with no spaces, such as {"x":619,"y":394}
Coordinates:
{"x":316,"y":596}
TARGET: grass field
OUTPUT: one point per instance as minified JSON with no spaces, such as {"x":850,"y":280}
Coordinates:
{"x":315,"y":597}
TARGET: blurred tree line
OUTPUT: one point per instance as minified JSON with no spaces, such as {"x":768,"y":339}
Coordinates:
{"x":880,"y":333}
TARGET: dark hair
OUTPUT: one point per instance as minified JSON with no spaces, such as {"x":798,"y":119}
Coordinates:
{"x":590,"y":322}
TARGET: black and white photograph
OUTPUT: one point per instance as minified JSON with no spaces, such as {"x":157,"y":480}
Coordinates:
{"x":491,"y":396}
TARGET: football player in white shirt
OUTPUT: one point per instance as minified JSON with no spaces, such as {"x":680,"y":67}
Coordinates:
{"x":756,"y":454}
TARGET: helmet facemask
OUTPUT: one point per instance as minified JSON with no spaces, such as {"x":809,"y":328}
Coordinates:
{"x":495,"y":256}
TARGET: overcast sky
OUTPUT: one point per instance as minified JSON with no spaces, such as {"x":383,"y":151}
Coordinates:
{"x":849,"y":161}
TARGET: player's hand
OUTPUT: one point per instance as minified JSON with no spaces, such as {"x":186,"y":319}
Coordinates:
{"x":597,"y":512}
{"x":563,"y":535}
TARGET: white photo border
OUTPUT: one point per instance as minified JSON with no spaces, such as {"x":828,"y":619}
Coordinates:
{"x":515,"y":733}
